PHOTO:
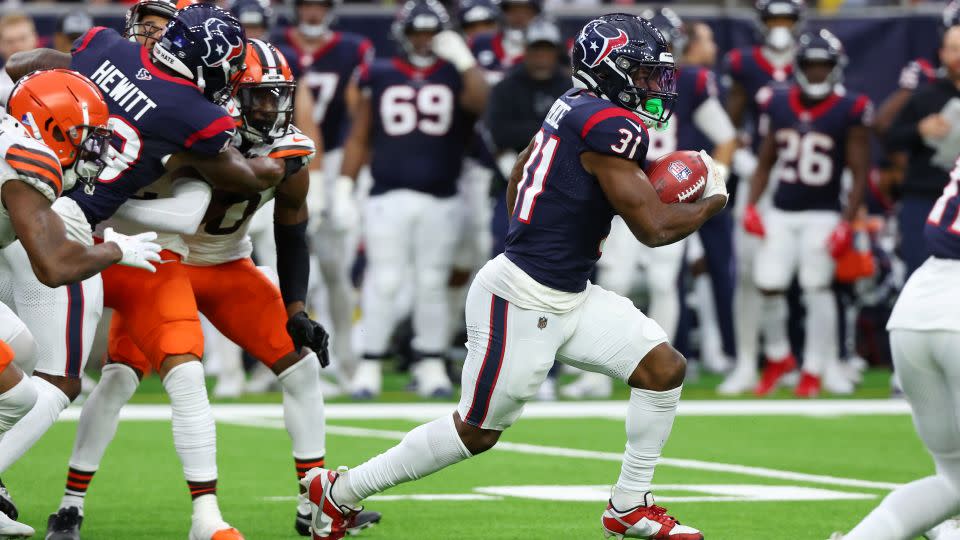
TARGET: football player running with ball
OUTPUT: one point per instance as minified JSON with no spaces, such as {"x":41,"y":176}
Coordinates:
{"x":534,"y":303}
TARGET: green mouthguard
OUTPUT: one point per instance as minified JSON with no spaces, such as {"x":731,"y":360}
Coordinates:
{"x":654,"y":106}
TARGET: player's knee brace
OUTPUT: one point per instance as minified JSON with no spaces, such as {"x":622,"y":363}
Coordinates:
{"x":386,"y":280}
{"x":432,"y":280}
{"x":16,"y":402}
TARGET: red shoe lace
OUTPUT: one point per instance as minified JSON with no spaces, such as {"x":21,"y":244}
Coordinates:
{"x":659,"y":513}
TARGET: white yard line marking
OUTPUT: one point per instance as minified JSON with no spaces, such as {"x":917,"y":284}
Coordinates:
{"x":440,"y":497}
{"x":556,"y":451}
{"x":564,"y":409}
{"x":708,"y":493}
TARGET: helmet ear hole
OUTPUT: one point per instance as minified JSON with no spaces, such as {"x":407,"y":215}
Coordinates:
{"x":58,"y":134}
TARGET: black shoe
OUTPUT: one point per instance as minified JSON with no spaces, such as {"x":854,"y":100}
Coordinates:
{"x":6,"y":503}
{"x":362,"y":520}
{"x":65,"y":524}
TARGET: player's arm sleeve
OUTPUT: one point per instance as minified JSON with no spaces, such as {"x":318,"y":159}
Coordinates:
{"x":209,"y":134}
{"x":904,"y":133}
{"x":616,"y":132}
{"x":708,"y":114}
{"x":180,"y":214}
{"x":38,"y":168}
{"x":290,"y":236}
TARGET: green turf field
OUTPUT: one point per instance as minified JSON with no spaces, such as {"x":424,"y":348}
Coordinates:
{"x":735,"y":477}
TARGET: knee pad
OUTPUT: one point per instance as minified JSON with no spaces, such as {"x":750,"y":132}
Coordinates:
{"x":24,"y":350}
{"x":385,"y":280}
{"x":16,"y":402}
{"x":430,"y":280}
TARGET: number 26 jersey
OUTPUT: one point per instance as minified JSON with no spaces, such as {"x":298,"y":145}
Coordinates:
{"x":562,"y":216}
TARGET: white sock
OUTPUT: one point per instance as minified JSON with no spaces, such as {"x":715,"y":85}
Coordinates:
{"x":425,"y":450}
{"x":16,"y":402}
{"x":822,"y":325}
{"x":909,"y":510}
{"x":303,"y":411}
{"x":206,"y":512}
{"x":746,"y":306}
{"x":194,"y":433}
{"x":51,"y":401}
{"x":99,"y":419}
{"x":649,"y":421}
{"x":774,"y":326}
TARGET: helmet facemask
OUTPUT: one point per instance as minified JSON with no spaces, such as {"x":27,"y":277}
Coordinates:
{"x":266,"y":110}
{"x":650,"y":90}
{"x":146,"y":33}
{"x":93,"y":143}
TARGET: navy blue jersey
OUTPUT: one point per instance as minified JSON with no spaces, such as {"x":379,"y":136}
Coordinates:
{"x":562,"y":215}
{"x":153,"y":115}
{"x":942,"y":231}
{"x":419,"y":133}
{"x":811,"y":145}
{"x":491,"y":56}
{"x":748,"y":67}
{"x":327,"y":72}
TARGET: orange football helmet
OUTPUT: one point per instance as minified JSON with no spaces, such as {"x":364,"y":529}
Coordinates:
{"x":265,"y":93}
{"x":65,"y":110}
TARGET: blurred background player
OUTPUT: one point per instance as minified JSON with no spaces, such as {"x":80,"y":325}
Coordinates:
{"x":916,"y":132}
{"x":746,"y":71}
{"x":411,"y":117}
{"x":70,"y":27}
{"x":17,"y":34}
{"x":814,"y":129}
{"x":535,"y":302}
{"x":328,"y":62}
{"x":698,"y":123}
{"x":256,"y":17}
{"x":498,"y":51}
{"x":478,"y":17}
{"x":237,"y":297}
{"x":64,"y":141}
{"x":924,"y":337}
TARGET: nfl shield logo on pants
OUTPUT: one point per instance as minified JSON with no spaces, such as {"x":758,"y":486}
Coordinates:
{"x":542,"y":323}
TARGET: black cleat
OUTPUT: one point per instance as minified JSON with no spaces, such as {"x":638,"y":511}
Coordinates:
{"x":6,"y":503}
{"x":65,"y":524}
{"x":360,"y":521}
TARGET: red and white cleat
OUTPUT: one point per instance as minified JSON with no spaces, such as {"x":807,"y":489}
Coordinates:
{"x":808,"y":387}
{"x":772,"y":374}
{"x":645,"y":521}
{"x":330,"y":520}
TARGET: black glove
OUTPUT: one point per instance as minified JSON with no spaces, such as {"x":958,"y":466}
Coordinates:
{"x":306,"y":332}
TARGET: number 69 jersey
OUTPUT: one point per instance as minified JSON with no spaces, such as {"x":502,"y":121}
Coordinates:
{"x":811,"y":145}
{"x":562,"y":216}
{"x":418,"y":135}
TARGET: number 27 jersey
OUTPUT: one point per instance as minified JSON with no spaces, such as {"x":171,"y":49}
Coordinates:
{"x":562,"y":216}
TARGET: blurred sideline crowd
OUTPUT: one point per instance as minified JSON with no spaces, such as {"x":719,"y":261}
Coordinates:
{"x":702,"y":290}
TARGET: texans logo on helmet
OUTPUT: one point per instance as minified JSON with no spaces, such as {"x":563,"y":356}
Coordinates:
{"x":598,"y":46}
{"x":219,"y":47}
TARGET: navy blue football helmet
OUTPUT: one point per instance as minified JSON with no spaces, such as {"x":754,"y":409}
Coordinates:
{"x":670,"y":25}
{"x":819,"y":47}
{"x":780,"y":38}
{"x":626,"y":60}
{"x":206,"y":45}
{"x":253,"y":13}
{"x":478,"y":11}
{"x":419,"y":16}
